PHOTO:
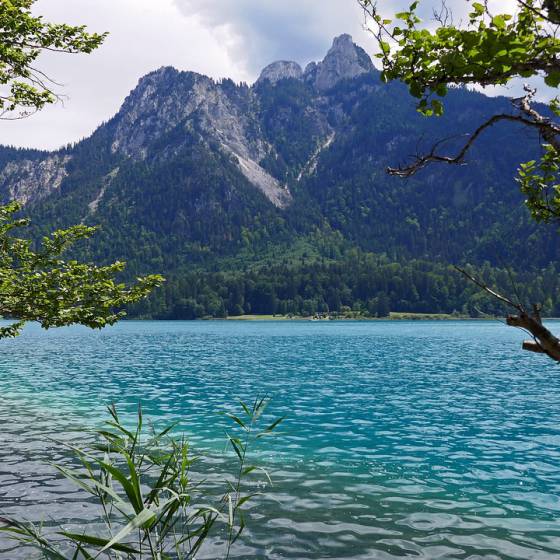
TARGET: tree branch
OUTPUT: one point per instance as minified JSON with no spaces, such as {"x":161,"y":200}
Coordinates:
{"x":549,"y":130}
{"x":484,"y":287}
{"x":544,"y":342}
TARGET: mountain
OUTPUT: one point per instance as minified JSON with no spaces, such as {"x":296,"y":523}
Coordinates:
{"x":230,"y":190}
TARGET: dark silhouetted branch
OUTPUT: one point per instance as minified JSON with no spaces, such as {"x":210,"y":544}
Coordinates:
{"x":549,"y":130}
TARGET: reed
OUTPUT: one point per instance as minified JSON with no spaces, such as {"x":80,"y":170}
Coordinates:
{"x":153,"y":507}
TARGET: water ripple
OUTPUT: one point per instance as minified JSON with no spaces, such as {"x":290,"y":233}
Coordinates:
{"x":424,"y":440}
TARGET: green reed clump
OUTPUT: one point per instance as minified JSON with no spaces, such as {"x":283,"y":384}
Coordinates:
{"x":152,"y":506}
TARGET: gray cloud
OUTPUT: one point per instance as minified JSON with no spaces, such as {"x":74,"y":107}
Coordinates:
{"x":258,"y":32}
{"x":234,"y":38}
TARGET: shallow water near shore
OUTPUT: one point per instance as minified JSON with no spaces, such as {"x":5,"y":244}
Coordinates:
{"x":402,"y":439}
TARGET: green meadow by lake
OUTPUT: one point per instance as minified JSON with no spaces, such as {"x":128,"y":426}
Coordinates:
{"x":402,"y":439}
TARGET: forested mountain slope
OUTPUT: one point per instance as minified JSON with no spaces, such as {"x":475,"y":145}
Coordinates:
{"x":285,"y":179}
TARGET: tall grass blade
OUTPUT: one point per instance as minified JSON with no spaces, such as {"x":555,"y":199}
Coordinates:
{"x":144,"y":517}
{"x":97,"y":541}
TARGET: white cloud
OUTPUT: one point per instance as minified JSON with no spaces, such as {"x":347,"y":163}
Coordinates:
{"x":257,"y":32}
{"x":144,"y":35}
{"x":234,"y":38}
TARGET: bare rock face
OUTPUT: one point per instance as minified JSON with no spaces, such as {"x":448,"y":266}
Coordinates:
{"x":167,"y":99}
{"x":345,"y":60}
{"x":281,"y":70}
{"x":31,"y":180}
{"x":161,"y":100}
{"x":170,"y":110}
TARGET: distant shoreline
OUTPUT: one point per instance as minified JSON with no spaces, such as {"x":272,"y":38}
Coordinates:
{"x":391,"y":317}
{"x":394,"y":316}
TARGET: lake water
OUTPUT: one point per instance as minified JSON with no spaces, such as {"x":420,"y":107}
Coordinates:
{"x":402,"y":439}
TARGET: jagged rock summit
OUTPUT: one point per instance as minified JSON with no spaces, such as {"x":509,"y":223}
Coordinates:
{"x":280,"y":70}
{"x":345,"y":60}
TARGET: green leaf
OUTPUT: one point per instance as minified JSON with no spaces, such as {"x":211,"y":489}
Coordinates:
{"x":143,"y":518}
{"x":241,"y":528}
{"x":499,"y":22}
{"x":236,"y":420}
{"x":97,"y":541}
{"x":245,"y":499}
{"x":236,"y":446}
{"x":478,"y":7}
{"x":275,"y":424}
{"x":90,"y":485}
{"x":552,"y":79}
{"x":441,"y":90}
{"x":437,"y":106}
{"x":135,"y":482}
{"x":81,"y":551}
{"x":416,"y":89}
{"x":245,"y":408}
{"x":126,"y":484}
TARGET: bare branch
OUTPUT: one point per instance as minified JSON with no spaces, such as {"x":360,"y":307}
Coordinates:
{"x":546,"y":16}
{"x":443,"y":16}
{"x":532,"y":346}
{"x":548,"y":129}
{"x":489,"y":290}
{"x":544,"y":342}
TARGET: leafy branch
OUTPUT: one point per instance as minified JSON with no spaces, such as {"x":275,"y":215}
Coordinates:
{"x":23,"y":37}
{"x":39,"y":285}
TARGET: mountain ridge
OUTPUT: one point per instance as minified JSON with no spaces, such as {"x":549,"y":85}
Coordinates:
{"x":194,"y":173}
{"x":202,"y":98}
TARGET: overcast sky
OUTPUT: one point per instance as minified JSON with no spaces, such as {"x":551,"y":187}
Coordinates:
{"x":220,"y":38}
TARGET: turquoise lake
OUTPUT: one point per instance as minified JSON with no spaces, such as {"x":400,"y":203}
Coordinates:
{"x":402,"y":439}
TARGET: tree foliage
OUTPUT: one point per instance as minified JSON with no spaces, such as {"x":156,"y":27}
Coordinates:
{"x":38,"y":285}
{"x":491,"y":48}
{"x":356,"y":284}
{"x":540,"y":183}
{"x":23,"y":37}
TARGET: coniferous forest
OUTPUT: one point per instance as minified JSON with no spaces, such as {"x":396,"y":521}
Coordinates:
{"x":319,"y":227}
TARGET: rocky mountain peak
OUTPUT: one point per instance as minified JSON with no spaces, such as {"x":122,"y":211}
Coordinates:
{"x":161,"y":100}
{"x":343,"y":42}
{"x":281,"y":70}
{"x":344,"y":60}
{"x":188,"y":103}
{"x":169,"y":109}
